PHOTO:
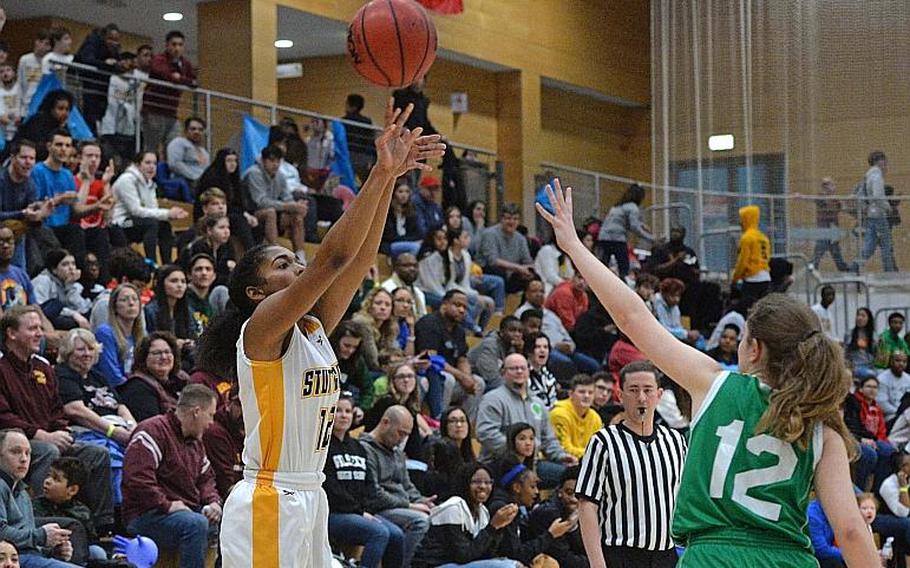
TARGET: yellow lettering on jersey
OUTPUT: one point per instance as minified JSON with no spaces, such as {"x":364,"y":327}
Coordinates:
{"x":321,"y":381}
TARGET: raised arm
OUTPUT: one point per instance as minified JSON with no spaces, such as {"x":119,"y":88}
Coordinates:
{"x":692,"y":369}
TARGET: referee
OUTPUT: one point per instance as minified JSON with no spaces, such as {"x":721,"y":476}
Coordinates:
{"x":629,"y":476}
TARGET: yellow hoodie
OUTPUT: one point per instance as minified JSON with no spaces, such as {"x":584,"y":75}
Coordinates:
{"x":754,"y":246}
{"x":572,"y":430}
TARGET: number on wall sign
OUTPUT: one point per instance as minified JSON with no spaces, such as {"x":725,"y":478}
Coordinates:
{"x":744,"y":481}
{"x":326,"y":419}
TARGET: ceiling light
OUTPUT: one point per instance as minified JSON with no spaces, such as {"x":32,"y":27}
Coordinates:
{"x":283,"y":43}
{"x":172,"y":17}
{"x":720,"y":142}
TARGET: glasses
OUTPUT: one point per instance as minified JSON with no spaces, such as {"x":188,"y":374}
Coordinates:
{"x":165,"y":353}
{"x":486,"y":482}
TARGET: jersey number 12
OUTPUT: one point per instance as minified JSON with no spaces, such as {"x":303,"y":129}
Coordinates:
{"x":326,"y":419}
{"x":744,"y":481}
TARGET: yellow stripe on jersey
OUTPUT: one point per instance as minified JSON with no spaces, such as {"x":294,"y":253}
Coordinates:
{"x":268,"y":383}
{"x":265,"y":527}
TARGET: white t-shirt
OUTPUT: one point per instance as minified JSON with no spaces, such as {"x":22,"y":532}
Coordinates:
{"x":826,"y":317}
{"x":10,"y":107}
{"x":29,"y":71}
{"x":51,"y":63}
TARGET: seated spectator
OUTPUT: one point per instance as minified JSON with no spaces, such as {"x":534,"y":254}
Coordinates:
{"x":156,"y":381}
{"x":15,"y":287}
{"x":736,"y":316}
{"x":441,"y":333}
{"x":475,"y":222}
{"x":726,"y":351}
{"x":426,"y":205}
{"x":224,"y":174}
{"x":564,"y":351}
{"x":403,"y":391}
{"x":666,"y":308}
{"x":553,"y":266}
{"x":405,"y":275}
{"x":52,"y":115}
{"x":606,"y":400}
{"x":645,"y":286}
{"x":891,"y":340}
{"x":450,"y":269}
{"x":622,"y":353}
{"x":120,"y":336}
{"x":275,"y":205}
{"x":462,"y":532}
{"x":31,"y":401}
{"x":674,"y":408}
{"x":59,"y":293}
{"x":403,"y":315}
{"x":205,"y":299}
{"x":38,"y":547}
{"x":893,"y":384}
{"x":821,"y":534}
{"x":859,"y":345}
{"x":136,"y":213}
{"x":443,"y":461}
{"x":127,"y":267}
{"x":55,"y":182}
{"x":94,"y":409}
{"x":521,"y":448}
{"x":395,"y":497}
{"x":453,"y":219}
{"x":456,"y":427}
{"x":487,"y":356}
{"x":595,"y":332}
{"x":569,"y":300}
{"x":187,"y":157}
{"x":562,"y":505}
{"x":375,"y":324}
{"x":402,"y":230}
{"x":19,"y":204}
{"x":10,"y":102}
{"x":169,"y":489}
{"x":65,"y":479}
{"x":543,"y":383}
{"x":349,"y":490}
{"x":223,"y":441}
{"x":214,"y":240}
{"x":573,"y":420}
{"x":170,"y":311}
{"x":512,"y":403}
{"x":892,"y":488}
{"x":95,"y":198}
{"x":865,"y":420}
{"x":504,"y":251}
{"x":355,"y":376}
{"x":519,"y":486}
{"x":90,"y":278}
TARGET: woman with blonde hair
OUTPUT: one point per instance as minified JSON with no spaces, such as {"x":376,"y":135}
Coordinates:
{"x":124,"y":329}
{"x":403,"y":390}
{"x":376,"y":325}
{"x":760,"y":440}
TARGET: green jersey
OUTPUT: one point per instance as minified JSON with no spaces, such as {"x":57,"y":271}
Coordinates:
{"x":740,"y":487}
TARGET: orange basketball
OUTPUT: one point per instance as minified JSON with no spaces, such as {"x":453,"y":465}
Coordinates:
{"x":391,"y":42}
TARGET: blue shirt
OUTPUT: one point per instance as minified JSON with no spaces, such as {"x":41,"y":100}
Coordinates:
{"x":48,"y":184}
{"x":14,"y":197}
{"x":109,"y":364}
{"x":821,"y":534}
{"x":15,"y":288}
{"x":429,"y":214}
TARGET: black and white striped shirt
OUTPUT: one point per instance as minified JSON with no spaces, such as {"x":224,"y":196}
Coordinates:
{"x":633,"y":480}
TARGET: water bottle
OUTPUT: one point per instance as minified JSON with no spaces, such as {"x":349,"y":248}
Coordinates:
{"x":888,"y":549}
{"x":613,"y":265}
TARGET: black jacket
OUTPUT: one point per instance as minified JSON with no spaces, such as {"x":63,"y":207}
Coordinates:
{"x":448,"y":540}
{"x":570,"y":550}
{"x":518,"y":542}
{"x":346,"y":484}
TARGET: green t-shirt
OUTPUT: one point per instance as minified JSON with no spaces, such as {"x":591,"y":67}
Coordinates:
{"x":738,"y":486}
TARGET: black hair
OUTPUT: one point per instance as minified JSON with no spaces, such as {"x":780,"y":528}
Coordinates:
{"x":467,"y":450}
{"x":531,"y":313}
{"x":179,"y":324}
{"x":277,"y":136}
{"x":108,"y":29}
{"x":129,"y":264}
{"x":876,"y":156}
{"x":73,"y":470}
{"x":217,"y":351}
{"x":42,"y":34}
{"x":172,"y":34}
{"x":141,"y":355}
{"x":59,"y":132}
{"x":355,"y":101}
{"x":144,"y":47}
{"x":4,"y":47}
{"x":634,"y":194}
{"x":639,"y":367}
{"x":531,"y":338}
{"x":512,"y":434}
{"x":54,"y":257}
{"x":868,"y":329}
{"x":451,"y":294}
{"x":510,"y":209}
{"x":428,"y":245}
{"x":733,"y":327}
{"x":272,"y":152}
{"x":463,"y":477}
{"x":893,"y":315}
{"x":506,"y":321}
{"x":50,"y":101}
{"x":570,"y":473}
{"x":57,"y":33}
{"x":581,"y":379}
{"x":190,"y":119}
{"x":17,"y":146}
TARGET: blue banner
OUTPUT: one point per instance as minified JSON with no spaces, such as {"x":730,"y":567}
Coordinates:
{"x":342,"y":166}
{"x":254,"y":138}
{"x":76,"y":124}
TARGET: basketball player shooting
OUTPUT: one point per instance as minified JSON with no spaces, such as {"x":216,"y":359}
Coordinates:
{"x":276,"y":331}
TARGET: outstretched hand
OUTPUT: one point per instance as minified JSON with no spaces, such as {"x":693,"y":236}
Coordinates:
{"x":561,"y":220}
{"x":396,"y":136}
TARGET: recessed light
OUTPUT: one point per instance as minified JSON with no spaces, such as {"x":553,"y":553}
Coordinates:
{"x":283,"y":43}
{"x":173,"y":17}
{"x":720,"y":142}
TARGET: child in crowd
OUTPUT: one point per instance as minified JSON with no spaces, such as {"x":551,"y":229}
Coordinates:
{"x":60,"y":55}
{"x":64,"y":480}
{"x":10,"y":101}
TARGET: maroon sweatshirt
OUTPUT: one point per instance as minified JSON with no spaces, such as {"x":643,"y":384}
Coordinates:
{"x":161,"y":465}
{"x":224,"y":444}
{"x":162,"y":100}
{"x":29,"y":398}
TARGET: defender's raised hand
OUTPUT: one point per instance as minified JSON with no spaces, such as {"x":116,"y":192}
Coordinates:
{"x":561,"y":220}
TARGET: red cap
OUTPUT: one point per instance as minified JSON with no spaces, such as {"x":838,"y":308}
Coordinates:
{"x":430,"y":182}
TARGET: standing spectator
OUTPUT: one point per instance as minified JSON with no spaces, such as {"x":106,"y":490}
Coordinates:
{"x":860,"y":344}
{"x":824,"y":312}
{"x":120,"y":335}
{"x":117,"y":128}
{"x":187,"y":156}
{"x":487,"y":357}
{"x":159,"y":108}
{"x":569,"y":300}
{"x":360,"y":140}
{"x":402,"y":227}
{"x":30,"y":400}
{"x":874,"y":211}
{"x":101,"y":49}
{"x":666,"y":308}
{"x":320,"y":153}
{"x":275,"y":205}
{"x":169,"y":489}
{"x":10,"y":102}
{"x":624,"y":217}
{"x":752,"y":268}
{"x":224,"y":174}
{"x":395,"y":497}
{"x":17,"y":517}
{"x":573,"y":420}
{"x":349,"y":489}
{"x":504,"y":251}
{"x":894,"y":383}
{"x":426,"y":204}
{"x":543,"y":383}
{"x":614,"y":524}
{"x":156,"y":379}
{"x":512,"y":403}
{"x":865,"y":419}
{"x":405,"y":275}
{"x":60,"y":56}
{"x":30,"y":67}
{"x":891,"y":340}
{"x":136,"y":212}
{"x":826,"y":212}
{"x":413,"y":94}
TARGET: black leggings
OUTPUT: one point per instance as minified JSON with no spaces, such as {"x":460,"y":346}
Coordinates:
{"x":151,"y":233}
{"x":619,"y":250}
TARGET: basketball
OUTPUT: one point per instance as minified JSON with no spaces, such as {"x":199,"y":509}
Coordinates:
{"x":391,"y":42}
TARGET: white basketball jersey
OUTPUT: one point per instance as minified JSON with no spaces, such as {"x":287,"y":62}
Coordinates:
{"x":289,"y":405}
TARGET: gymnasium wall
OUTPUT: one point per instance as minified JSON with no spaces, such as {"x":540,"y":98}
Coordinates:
{"x":20,"y":35}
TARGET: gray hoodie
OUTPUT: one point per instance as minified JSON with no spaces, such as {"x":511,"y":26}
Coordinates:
{"x":504,"y":406}
{"x":388,"y":471}
{"x":49,"y":287}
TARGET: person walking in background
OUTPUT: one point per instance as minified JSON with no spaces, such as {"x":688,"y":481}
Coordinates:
{"x":752,"y":269}
{"x":624,"y":217}
{"x":826,"y":212}
{"x":874,"y":210}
